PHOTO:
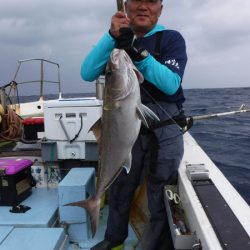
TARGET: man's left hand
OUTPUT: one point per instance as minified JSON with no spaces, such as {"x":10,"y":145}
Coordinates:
{"x":126,"y":38}
{"x":128,"y":42}
{"x":136,"y":52}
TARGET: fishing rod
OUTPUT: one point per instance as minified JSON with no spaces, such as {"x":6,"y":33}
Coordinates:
{"x":120,"y":5}
{"x":242,"y":109}
{"x":186,"y":122}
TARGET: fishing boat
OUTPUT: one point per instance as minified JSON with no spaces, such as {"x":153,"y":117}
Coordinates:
{"x":56,"y":165}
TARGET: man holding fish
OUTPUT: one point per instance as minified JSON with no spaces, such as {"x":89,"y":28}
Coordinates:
{"x":160,"y":56}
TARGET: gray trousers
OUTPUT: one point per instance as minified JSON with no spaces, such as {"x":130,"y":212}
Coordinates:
{"x":158,"y":154}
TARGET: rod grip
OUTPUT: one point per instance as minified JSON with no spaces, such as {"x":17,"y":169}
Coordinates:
{"x":120,"y":5}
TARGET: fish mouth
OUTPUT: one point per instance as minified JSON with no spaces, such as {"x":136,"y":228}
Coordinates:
{"x":115,"y":59}
{"x":116,"y":54}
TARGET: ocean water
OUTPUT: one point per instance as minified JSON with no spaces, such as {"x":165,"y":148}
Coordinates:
{"x":226,"y":139}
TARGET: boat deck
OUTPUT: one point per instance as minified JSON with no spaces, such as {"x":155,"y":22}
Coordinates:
{"x":41,"y":221}
{"x":43,"y":213}
{"x":42,"y":218}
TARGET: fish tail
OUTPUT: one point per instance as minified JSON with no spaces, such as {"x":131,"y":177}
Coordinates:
{"x":92,"y":205}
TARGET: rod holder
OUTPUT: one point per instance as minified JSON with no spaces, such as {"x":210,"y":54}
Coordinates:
{"x":100,"y":87}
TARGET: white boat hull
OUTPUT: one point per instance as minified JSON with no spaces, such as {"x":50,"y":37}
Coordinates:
{"x":198,"y":220}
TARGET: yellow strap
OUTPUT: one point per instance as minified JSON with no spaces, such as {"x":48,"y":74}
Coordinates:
{"x":120,"y":247}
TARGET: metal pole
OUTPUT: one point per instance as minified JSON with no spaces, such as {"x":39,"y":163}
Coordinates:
{"x":99,"y":88}
{"x":42,"y":77}
{"x":59,"y":82}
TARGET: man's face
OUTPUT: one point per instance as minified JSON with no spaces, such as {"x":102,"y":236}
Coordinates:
{"x":143,"y":14}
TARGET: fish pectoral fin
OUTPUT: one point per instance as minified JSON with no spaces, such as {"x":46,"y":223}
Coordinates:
{"x":127,"y":163}
{"x":111,"y":106}
{"x":96,"y":129}
{"x":146,"y":114}
{"x":142,"y":117}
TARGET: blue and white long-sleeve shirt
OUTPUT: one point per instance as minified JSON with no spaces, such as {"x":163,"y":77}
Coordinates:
{"x":162,"y":77}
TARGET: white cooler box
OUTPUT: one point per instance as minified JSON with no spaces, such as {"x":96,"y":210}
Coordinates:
{"x":66,"y":124}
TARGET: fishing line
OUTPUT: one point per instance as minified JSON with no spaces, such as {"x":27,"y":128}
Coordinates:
{"x":162,"y":109}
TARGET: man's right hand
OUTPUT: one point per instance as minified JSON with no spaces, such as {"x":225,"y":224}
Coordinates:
{"x":126,"y":39}
{"x":118,"y":21}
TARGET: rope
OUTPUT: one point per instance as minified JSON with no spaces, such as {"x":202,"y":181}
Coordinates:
{"x":11,"y":126}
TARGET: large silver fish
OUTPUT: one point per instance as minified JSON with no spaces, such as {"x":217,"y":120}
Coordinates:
{"x":118,"y":127}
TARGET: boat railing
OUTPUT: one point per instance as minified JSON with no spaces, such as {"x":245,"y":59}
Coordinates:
{"x":41,"y":80}
{"x":9,"y":92}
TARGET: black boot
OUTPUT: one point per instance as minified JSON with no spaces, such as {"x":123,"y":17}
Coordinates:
{"x":105,"y":245}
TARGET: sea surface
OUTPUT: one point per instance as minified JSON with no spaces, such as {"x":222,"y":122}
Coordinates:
{"x":225,"y":139}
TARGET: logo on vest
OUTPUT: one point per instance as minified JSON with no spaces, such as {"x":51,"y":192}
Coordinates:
{"x":173,"y":62}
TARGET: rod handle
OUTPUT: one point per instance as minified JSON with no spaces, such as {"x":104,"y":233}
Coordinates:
{"x":120,"y":5}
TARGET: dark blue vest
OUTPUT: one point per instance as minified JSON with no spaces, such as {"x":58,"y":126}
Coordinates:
{"x":168,"y":47}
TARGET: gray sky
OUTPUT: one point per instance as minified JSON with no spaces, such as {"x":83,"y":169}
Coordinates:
{"x":217,"y":34}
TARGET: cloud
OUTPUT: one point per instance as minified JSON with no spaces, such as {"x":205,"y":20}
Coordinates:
{"x":217,"y":35}
{"x":218,"y":41}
